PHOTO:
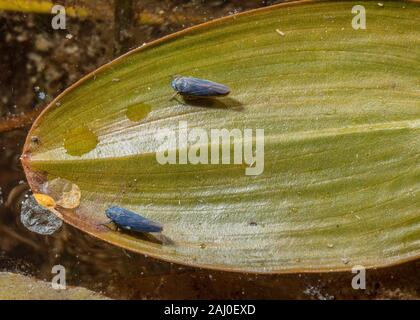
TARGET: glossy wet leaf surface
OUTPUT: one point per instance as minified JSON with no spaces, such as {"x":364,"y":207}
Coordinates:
{"x":340,"y":111}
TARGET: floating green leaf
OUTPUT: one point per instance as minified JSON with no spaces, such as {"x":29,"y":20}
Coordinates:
{"x":340,"y":110}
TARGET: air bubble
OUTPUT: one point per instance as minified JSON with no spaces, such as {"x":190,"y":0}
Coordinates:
{"x":39,"y":219}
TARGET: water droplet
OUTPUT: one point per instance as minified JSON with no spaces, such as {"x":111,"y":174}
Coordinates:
{"x":137,"y":112}
{"x":65,"y":193}
{"x":80,"y":140}
{"x":44,"y":200}
{"x":37,"y":218}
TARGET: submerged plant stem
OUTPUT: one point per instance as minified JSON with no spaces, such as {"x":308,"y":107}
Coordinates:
{"x":11,"y":123}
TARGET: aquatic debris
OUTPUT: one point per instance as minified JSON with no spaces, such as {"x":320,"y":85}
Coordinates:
{"x":38,"y":219}
{"x":194,"y":87}
{"x":129,"y":220}
{"x":316,"y":292}
{"x":280,"y":32}
{"x":65,"y":193}
{"x":42,"y":95}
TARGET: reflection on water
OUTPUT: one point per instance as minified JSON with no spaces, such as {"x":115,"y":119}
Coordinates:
{"x":41,"y":59}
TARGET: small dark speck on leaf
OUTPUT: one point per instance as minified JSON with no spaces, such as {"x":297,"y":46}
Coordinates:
{"x":35,"y":139}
